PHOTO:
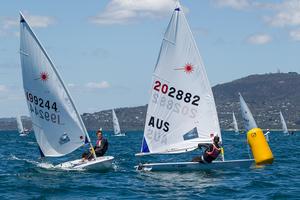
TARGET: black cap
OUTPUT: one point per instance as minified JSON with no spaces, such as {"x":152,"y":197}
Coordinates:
{"x":216,"y":139}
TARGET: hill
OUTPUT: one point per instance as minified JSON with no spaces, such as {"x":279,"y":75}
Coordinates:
{"x":265,"y":94}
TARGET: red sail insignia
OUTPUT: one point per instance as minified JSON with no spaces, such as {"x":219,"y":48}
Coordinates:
{"x":188,"y":68}
{"x":44,"y":76}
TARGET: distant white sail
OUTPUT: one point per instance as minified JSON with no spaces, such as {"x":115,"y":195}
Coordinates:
{"x":284,"y":126}
{"x":181,"y":111}
{"x":249,"y":122}
{"x":20,"y":125}
{"x":235,"y":124}
{"x":58,"y":127}
{"x":117,"y":130}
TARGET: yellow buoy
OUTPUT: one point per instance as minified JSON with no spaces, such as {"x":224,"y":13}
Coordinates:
{"x":260,"y":148}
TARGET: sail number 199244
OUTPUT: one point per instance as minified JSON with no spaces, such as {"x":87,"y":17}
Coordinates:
{"x":41,"y":102}
{"x":43,"y":108}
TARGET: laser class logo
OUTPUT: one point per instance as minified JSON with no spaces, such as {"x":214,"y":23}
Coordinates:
{"x":64,"y":139}
{"x":188,"y":68}
{"x":44,"y":76}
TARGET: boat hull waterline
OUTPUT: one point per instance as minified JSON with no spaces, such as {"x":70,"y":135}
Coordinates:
{"x":196,"y":166}
{"x":100,"y":164}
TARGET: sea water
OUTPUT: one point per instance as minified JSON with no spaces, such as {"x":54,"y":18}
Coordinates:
{"x":24,"y":176}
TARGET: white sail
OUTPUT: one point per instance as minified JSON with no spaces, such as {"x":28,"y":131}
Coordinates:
{"x":20,"y":125}
{"x":235,"y":124}
{"x":117,"y":130}
{"x":249,"y":122}
{"x":284,"y":126}
{"x":58,"y":127}
{"x":181,"y":111}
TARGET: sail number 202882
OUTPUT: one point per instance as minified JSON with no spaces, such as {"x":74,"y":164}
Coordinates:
{"x":177,"y":94}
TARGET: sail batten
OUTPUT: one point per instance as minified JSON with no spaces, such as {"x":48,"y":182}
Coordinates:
{"x":58,"y":126}
{"x":181,"y":112}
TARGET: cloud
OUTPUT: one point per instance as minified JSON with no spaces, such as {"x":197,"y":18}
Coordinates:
{"x":3,"y":88}
{"x":101,"y":85}
{"x":295,"y":35}
{"x":235,"y":4}
{"x":287,"y":14}
{"x":125,"y":11}
{"x":259,"y":39}
{"x":39,"y":21}
{"x":9,"y":25}
{"x":11,"y":93}
{"x":280,"y":14}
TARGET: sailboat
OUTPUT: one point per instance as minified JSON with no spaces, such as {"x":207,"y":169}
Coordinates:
{"x":235,"y":124}
{"x":58,"y":127}
{"x":249,"y":122}
{"x":257,"y":140}
{"x":284,"y":126}
{"x":116,"y":125}
{"x":181,"y":112}
{"x":21,"y":130}
{"x":248,"y":119}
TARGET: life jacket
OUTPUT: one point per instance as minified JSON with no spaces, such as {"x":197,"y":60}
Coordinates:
{"x":215,"y":152}
{"x":98,"y":143}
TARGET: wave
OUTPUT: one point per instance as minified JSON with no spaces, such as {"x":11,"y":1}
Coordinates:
{"x":44,"y":165}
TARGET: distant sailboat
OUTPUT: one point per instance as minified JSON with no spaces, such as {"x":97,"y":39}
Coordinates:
{"x":57,"y":125}
{"x":284,"y":126}
{"x":181,"y":112}
{"x":235,"y":124}
{"x":116,"y":125}
{"x":248,"y":120}
{"x":21,"y":130}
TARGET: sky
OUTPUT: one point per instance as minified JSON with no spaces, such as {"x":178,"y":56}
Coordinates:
{"x":106,"y":50}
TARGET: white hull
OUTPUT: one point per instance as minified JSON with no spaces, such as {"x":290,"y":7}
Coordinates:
{"x":118,"y":135}
{"x":100,"y":164}
{"x":25,"y":133}
{"x":195,"y":166}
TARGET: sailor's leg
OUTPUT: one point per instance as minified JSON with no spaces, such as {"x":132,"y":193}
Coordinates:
{"x":197,"y":159}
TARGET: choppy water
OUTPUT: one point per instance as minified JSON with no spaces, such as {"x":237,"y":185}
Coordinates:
{"x":22,"y":176}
